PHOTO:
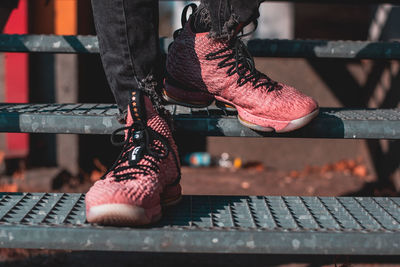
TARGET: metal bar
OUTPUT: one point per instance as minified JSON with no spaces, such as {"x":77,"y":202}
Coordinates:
{"x":395,"y":2}
{"x":324,"y":49}
{"x":49,"y":43}
{"x":258,"y":48}
{"x":100,"y":119}
{"x":215,"y":234}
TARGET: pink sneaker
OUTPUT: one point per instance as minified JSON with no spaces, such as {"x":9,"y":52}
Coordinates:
{"x":146,"y":173}
{"x":201,"y":69}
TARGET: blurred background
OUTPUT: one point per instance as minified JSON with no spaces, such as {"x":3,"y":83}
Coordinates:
{"x":246,"y":166}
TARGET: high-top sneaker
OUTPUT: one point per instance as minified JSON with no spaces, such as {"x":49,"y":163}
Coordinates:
{"x":145,"y":176}
{"x":201,"y":69}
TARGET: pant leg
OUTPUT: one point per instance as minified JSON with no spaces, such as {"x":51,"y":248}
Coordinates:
{"x":129,"y":46}
{"x":226,"y":16}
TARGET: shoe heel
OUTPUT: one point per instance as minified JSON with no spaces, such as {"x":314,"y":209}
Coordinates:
{"x":172,"y":195}
{"x":192,"y":99}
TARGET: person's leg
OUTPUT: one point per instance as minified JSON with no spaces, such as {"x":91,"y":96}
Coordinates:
{"x":6,"y":7}
{"x":226,"y":17}
{"x":129,"y":46}
{"x":146,"y":174}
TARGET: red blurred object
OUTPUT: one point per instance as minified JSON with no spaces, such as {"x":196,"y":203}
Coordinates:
{"x":16,"y":78}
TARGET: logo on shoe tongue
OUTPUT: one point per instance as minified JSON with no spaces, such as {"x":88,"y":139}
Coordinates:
{"x":138,"y":135}
{"x":136,"y":154}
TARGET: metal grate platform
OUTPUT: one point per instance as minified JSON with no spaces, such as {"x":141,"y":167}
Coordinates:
{"x":212,"y":224}
{"x":100,"y":119}
{"x":257,"y":47}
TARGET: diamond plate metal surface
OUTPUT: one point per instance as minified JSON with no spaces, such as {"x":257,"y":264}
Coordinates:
{"x":212,"y":121}
{"x":42,"y":208}
{"x":250,"y":212}
{"x":211,"y":224}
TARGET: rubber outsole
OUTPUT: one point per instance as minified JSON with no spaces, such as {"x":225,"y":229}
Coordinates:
{"x":291,"y":125}
{"x":126,"y":215}
{"x":120,"y":215}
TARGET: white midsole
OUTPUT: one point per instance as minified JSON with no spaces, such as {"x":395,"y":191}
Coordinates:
{"x":123,"y":212}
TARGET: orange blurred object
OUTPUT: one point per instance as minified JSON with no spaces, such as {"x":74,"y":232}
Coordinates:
{"x":349,"y":166}
{"x":351,"y":163}
{"x":360,"y":171}
{"x":95,"y":175}
{"x":340,"y":165}
{"x":19,"y":174}
{"x":99,"y":165}
{"x":245,"y":185}
{"x":326,"y":168}
{"x":13,"y":187}
{"x":237,"y":163}
{"x":254,"y":165}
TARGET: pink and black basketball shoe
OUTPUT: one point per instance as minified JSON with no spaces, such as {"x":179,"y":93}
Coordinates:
{"x":145,"y":176}
{"x":201,"y":69}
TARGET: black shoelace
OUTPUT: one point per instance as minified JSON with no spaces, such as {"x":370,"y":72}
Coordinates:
{"x":139,"y":142}
{"x":237,"y":59}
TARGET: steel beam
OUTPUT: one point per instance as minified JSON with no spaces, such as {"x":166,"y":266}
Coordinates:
{"x":259,"y":48}
{"x":100,"y":119}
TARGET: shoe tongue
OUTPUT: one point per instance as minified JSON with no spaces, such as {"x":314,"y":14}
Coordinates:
{"x":136,"y":108}
{"x":137,"y":112}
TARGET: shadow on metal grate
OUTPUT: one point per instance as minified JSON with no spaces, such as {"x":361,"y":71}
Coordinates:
{"x":211,"y":224}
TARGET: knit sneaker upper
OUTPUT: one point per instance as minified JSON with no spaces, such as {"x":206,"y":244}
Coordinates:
{"x":147,"y":165}
{"x":226,"y":70}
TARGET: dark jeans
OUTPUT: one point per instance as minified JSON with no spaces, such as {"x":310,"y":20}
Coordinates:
{"x":129,"y":40}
